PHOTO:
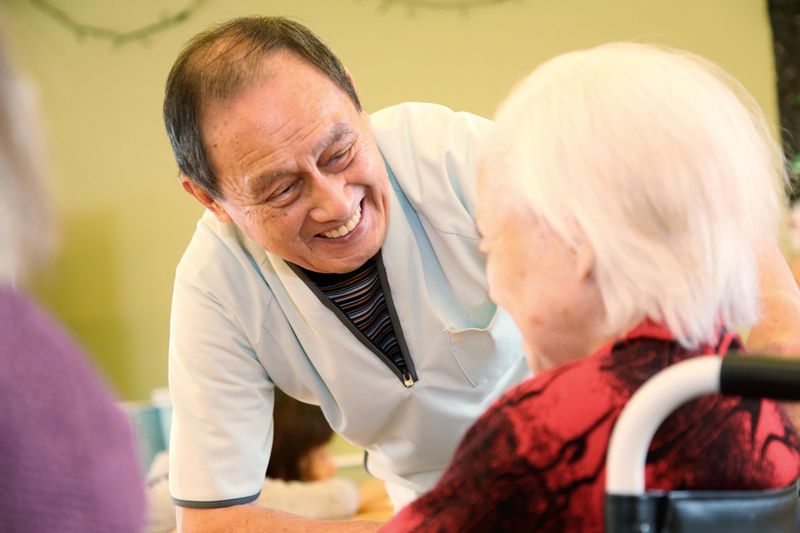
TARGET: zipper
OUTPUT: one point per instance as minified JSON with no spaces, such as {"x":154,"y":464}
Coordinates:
{"x":407,"y":377}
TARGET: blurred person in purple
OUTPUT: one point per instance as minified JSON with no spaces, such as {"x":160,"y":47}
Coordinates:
{"x":67,"y":455}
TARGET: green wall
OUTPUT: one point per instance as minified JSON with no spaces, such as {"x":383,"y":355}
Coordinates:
{"x":125,"y":219}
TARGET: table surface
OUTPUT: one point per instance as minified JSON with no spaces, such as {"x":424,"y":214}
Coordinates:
{"x":375,"y":503}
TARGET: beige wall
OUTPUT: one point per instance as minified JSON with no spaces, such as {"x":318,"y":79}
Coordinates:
{"x":125,"y":219}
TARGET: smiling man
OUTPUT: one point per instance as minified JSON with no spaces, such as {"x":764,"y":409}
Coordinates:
{"x":337,"y":260}
{"x":296,"y":167}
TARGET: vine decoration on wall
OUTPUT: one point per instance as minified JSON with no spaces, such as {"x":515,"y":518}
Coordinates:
{"x":462,"y":6}
{"x":784,"y":16}
{"x":141,"y":34}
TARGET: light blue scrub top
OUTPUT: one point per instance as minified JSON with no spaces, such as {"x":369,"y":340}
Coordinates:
{"x":242,"y":322}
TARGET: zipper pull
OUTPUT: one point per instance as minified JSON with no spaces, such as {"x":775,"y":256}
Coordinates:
{"x":408,"y":381}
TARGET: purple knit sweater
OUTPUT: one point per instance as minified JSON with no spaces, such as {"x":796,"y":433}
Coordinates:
{"x":67,"y":459}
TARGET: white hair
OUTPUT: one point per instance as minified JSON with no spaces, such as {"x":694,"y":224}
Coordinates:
{"x":25,"y":221}
{"x":668,"y":167}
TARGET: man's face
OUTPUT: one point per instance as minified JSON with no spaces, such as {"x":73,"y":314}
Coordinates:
{"x":298,"y":168}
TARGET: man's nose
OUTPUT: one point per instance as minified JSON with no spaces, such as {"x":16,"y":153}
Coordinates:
{"x":331,"y":199}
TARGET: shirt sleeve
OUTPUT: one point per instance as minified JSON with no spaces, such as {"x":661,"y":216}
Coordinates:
{"x":221,"y":431}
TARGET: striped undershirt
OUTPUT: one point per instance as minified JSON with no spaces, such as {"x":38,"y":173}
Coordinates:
{"x":360,"y":297}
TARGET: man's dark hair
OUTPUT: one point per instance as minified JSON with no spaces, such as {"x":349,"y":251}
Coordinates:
{"x":299,"y":428}
{"x":217,"y":65}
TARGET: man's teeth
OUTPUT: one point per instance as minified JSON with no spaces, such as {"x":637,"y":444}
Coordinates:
{"x":344,"y":229}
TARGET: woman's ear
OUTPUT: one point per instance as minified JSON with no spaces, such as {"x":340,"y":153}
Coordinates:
{"x":208,"y":201}
{"x":584,"y":253}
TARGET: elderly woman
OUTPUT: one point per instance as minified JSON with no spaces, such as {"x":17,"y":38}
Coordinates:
{"x":67,"y":457}
{"x":622,"y":202}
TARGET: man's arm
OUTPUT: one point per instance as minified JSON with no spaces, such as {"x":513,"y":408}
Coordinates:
{"x":778,"y":331}
{"x":251,"y":518}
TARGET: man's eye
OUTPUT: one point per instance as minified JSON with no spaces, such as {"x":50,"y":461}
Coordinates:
{"x":341,"y":156}
{"x":283,"y":191}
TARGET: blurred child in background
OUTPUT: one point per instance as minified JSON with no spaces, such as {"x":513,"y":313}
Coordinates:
{"x":300,"y":478}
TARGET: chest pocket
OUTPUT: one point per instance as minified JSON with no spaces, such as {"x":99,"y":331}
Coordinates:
{"x":485,"y":354}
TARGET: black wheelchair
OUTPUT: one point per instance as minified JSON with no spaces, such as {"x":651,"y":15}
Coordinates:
{"x":630,"y":508}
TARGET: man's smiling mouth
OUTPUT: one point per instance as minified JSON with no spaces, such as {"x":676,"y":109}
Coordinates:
{"x":345,"y":228}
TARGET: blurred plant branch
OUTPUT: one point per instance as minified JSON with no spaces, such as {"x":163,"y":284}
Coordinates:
{"x":117,"y":38}
{"x":462,"y":6}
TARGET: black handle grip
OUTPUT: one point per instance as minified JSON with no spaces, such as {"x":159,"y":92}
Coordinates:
{"x":759,"y":376}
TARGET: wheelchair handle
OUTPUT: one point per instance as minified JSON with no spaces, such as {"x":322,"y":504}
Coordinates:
{"x":751,"y":376}
{"x":758,"y":376}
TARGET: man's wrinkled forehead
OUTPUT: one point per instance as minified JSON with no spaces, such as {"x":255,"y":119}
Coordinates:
{"x":224,"y":92}
{"x":228,"y":68}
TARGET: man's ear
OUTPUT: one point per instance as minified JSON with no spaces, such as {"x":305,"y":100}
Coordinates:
{"x":208,"y":201}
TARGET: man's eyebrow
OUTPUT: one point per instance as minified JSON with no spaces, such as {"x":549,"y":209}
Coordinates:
{"x":258,"y":184}
{"x":339,"y":131}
